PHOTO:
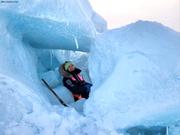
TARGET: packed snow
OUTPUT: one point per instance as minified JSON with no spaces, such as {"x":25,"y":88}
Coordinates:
{"x":141,"y":85}
{"x":135,"y":71}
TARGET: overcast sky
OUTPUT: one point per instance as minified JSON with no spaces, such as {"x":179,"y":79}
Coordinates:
{"x":121,"y":12}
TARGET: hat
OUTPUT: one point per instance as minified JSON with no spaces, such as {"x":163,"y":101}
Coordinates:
{"x":67,"y":64}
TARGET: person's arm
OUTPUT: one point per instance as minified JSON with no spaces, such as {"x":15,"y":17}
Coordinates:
{"x":77,"y":70}
{"x":69,"y":85}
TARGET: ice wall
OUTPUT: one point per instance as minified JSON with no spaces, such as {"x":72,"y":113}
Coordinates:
{"x":79,"y":11}
{"x":16,"y":59}
{"x":56,"y":35}
{"x":135,"y":72}
{"x":42,"y":24}
{"x":27,"y":29}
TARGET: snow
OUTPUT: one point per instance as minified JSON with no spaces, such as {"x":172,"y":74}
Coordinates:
{"x":135,"y":71}
{"x":135,"y":81}
{"x":25,"y":112}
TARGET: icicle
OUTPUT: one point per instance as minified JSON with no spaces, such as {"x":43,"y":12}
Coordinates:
{"x":76,"y":42}
{"x":167,"y":130}
{"x":51,"y":58}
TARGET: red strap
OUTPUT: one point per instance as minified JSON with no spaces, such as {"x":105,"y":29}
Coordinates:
{"x":79,"y":76}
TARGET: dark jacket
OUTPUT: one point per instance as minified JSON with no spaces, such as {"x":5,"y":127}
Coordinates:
{"x":73,"y":82}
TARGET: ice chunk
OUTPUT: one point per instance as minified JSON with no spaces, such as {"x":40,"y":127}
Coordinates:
{"x":48,"y":34}
{"x":133,"y":71}
{"x":99,"y":23}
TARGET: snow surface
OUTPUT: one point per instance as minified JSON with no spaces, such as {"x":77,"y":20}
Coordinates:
{"x":135,"y":71}
{"x":136,"y":79}
{"x":23,"y":112}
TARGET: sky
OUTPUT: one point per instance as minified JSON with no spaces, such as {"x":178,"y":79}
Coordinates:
{"x":118,"y":13}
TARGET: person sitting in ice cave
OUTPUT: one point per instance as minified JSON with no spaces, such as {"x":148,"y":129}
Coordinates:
{"x":73,"y":81}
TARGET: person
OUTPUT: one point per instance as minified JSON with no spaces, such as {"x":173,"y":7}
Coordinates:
{"x":73,"y":81}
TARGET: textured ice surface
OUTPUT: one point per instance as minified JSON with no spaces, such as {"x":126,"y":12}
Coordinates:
{"x":135,"y":72}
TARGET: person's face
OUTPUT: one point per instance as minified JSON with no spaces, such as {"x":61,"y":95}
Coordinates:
{"x":71,"y":67}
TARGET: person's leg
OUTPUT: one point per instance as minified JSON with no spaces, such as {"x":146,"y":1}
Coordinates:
{"x":86,"y":90}
{"x":77,"y":97}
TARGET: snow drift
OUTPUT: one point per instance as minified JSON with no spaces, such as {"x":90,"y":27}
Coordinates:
{"x":136,"y":79}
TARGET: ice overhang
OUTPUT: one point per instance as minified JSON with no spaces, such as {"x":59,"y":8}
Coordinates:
{"x":49,"y":34}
